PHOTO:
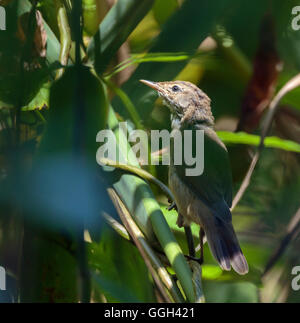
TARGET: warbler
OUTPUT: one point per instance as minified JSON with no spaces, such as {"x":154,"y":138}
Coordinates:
{"x":205,"y":199}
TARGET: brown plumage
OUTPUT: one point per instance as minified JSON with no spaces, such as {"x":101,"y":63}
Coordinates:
{"x":204,"y":199}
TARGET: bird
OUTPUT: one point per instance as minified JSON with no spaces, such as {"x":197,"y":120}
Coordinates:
{"x":205,"y":199}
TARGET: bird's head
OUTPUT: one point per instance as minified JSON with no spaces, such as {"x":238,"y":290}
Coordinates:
{"x":185,"y":100}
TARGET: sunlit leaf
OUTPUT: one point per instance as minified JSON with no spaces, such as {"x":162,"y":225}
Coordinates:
{"x":254,"y":140}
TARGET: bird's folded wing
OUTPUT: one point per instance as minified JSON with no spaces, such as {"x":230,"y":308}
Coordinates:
{"x":214,"y":186}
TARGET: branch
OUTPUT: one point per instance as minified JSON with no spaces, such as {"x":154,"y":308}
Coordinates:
{"x":291,"y":233}
{"x":141,"y":173}
{"x":65,"y":36}
{"x":160,"y":274}
{"x":289,"y":86}
{"x":119,"y":228}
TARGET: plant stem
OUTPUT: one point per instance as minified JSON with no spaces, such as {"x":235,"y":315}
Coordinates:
{"x":145,"y":249}
{"x":65,"y":36}
{"x":141,"y":173}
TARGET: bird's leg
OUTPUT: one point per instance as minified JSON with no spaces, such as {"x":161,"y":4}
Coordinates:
{"x":190,"y":240}
{"x":188,"y":233}
{"x":172,"y":205}
{"x":201,"y":237}
{"x":201,"y":259}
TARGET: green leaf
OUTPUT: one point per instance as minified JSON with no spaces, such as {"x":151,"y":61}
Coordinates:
{"x":20,"y":86}
{"x":40,"y":100}
{"x":162,"y":10}
{"x":117,"y":25}
{"x":153,"y":57}
{"x":254,"y":140}
{"x":142,"y":205}
{"x":184,"y":30}
{"x":91,"y":15}
{"x":48,"y":271}
{"x":60,"y":131}
{"x":224,"y":292}
{"x":211,"y":272}
{"x":122,"y":273}
{"x":53,"y":45}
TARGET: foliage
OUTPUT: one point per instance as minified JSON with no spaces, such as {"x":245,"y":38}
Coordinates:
{"x":63,"y":216}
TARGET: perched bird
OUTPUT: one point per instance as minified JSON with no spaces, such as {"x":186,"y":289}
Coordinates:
{"x":205,"y":199}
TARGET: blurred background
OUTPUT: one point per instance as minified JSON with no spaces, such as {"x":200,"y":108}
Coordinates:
{"x":73,"y":231}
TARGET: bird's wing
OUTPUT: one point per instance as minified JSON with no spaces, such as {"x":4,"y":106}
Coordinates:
{"x":214,"y":186}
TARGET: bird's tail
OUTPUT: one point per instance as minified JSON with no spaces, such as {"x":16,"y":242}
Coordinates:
{"x":225,"y":247}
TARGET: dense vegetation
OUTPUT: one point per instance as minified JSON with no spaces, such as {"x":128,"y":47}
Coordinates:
{"x":72,"y":230}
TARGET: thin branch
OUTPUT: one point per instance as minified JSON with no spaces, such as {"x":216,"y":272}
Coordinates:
{"x":119,"y":228}
{"x":65,"y":36}
{"x":291,"y":233}
{"x":159,"y":273}
{"x":246,"y":180}
{"x":289,"y":86}
{"x":79,"y":149}
{"x":141,"y":173}
{"x":197,"y":280}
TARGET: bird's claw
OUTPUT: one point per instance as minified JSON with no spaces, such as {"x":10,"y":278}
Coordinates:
{"x":173,"y":206}
{"x":199,"y":260}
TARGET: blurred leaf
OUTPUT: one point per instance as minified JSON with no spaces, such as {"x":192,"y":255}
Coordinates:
{"x":62,"y":191}
{"x":93,"y":13}
{"x":293,"y":97}
{"x":217,"y":292}
{"x":164,"y":9}
{"x":211,"y":272}
{"x":60,"y":129}
{"x":48,"y":9}
{"x":117,"y":25}
{"x":153,"y":57}
{"x":146,"y":30}
{"x":140,"y":202}
{"x":53,"y":46}
{"x":254,"y":140}
{"x":21,"y":68}
{"x":41,"y":100}
{"x":201,"y":16}
{"x":121,"y":272}
{"x":48,"y":270}
{"x":262,"y":85}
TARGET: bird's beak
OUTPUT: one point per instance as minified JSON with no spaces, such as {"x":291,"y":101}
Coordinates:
{"x":153,"y":85}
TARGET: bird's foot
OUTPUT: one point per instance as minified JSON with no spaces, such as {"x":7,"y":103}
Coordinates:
{"x":172,"y":206}
{"x":199,"y":260}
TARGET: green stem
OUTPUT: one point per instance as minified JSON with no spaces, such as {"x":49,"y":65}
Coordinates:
{"x":127,"y":103}
{"x":139,"y":238}
{"x":141,"y":173}
{"x":79,"y":147}
{"x":65,"y":36}
{"x":147,"y":214}
{"x":116,"y":226}
{"x":114,"y":30}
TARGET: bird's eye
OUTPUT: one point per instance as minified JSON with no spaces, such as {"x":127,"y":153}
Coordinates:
{"x":175,"y":88}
